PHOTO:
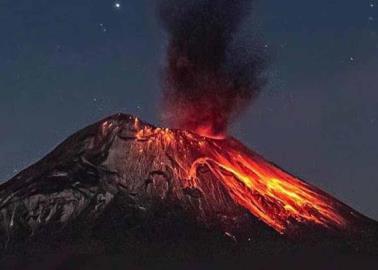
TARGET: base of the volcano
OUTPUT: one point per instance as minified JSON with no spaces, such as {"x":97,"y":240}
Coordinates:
{"x":124,"y":238}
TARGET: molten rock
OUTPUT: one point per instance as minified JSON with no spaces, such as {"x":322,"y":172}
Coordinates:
{"x":123,"y":186}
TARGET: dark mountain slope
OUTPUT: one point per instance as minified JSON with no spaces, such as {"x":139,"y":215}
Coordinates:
{"x":106,"y":192}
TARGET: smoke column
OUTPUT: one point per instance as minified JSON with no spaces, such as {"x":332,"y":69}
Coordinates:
{"x":209,"y":77}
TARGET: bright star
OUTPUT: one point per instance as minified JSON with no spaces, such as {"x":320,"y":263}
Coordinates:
{"x":117,"y":5}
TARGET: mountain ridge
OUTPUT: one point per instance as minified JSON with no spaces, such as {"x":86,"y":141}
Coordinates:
{"x":97,"y":193}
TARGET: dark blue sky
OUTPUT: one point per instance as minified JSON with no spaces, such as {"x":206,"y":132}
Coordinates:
{"x":66,"y":64}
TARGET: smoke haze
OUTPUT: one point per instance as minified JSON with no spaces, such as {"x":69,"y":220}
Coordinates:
{"x":210,"y":76}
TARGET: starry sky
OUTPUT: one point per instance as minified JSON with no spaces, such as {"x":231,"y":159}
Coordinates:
{"x":66,"y":64}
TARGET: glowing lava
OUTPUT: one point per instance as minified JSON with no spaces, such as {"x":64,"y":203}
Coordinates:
{"x":208,"y":132}
{"x":274,"y":196}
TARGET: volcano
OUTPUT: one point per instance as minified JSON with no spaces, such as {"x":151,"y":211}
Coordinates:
{"x":122,"y":186}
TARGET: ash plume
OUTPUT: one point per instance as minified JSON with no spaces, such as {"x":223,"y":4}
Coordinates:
{"x":210,"y":76}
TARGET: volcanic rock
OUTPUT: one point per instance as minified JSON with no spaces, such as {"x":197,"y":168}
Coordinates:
{"x":109,"y":193}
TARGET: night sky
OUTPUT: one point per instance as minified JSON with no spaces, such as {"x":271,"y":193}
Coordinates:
{"x":66,"y":64}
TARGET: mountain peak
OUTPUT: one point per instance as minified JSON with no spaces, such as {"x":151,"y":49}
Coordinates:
{"x":122,"y":182}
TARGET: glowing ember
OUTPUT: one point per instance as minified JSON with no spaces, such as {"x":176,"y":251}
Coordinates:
{"x":274,"y":196}
{"x":208,"y":132}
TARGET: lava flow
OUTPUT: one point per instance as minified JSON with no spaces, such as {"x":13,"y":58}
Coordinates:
{"x":274,"y":196}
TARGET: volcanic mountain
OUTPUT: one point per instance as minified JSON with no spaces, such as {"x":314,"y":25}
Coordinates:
{"x":122,"y":186}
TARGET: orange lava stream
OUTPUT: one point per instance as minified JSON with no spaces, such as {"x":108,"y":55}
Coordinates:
{"x":274,"y":196}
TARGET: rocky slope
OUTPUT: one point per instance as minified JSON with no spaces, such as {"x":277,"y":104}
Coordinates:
{"x":106,"y":190}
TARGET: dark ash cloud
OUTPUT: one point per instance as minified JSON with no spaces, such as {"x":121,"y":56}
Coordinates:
{"x":210,"y":76}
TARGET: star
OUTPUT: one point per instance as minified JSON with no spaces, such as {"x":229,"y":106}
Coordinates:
{"x":102,"y":26}
{"x":117,"y":5}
